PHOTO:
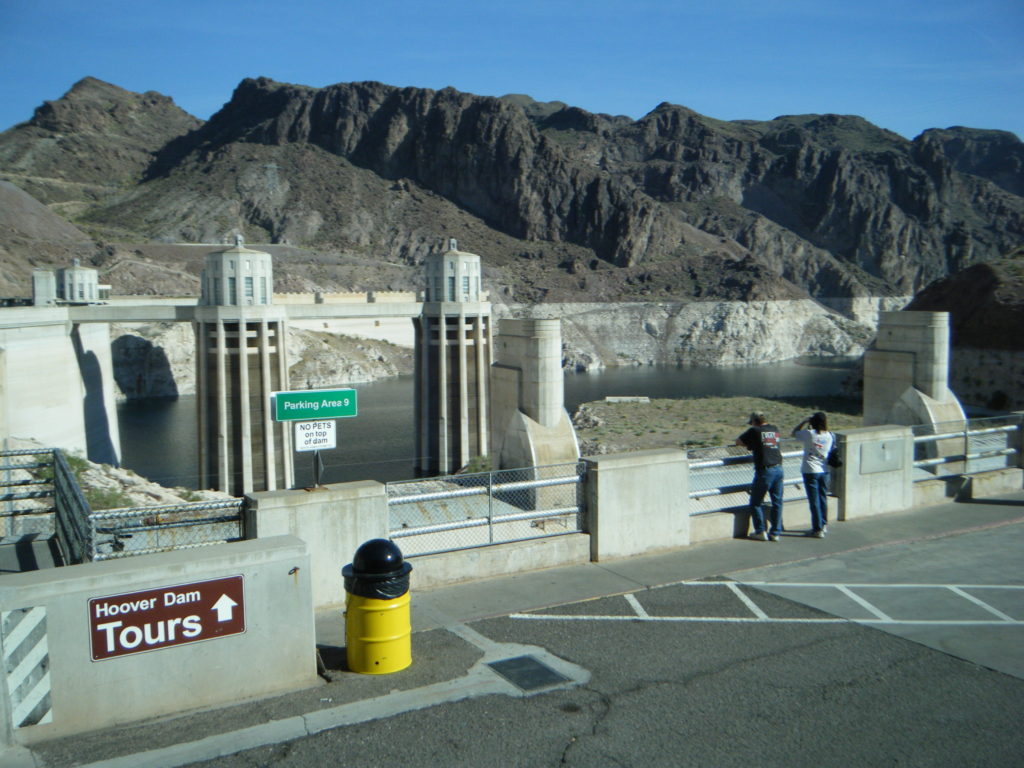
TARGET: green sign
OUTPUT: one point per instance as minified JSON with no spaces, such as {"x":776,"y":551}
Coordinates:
{"x":314,"y":404}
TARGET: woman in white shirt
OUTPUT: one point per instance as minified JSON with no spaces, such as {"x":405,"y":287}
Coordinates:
{"x":817,"y":442}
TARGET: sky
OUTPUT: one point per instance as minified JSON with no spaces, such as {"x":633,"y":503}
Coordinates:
{"x":905,"y":65}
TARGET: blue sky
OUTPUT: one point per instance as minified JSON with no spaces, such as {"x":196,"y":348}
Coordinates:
{"x":903,"y":65}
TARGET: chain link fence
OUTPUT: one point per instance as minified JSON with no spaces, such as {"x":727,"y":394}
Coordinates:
{"x":40,"y":494}
{"x":444,"y":514}
{"x":146,"y":530}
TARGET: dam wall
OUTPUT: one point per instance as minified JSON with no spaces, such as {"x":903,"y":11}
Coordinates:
{"x":57,"y":383}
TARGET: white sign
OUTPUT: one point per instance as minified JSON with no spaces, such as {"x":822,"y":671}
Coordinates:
{"x":314,"y":435}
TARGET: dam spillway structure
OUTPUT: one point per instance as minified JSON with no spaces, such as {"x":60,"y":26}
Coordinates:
{"x":240,"y":361}
{"x":452,"y":358}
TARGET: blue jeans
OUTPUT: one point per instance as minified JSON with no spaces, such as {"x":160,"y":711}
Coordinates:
{"x":767,"y":480}
{"x":817,"y":498}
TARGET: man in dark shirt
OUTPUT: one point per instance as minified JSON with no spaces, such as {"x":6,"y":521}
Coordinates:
{"x":764,"y":440}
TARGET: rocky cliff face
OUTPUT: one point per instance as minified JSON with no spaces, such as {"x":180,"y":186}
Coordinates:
{"x":986,"y":314}
{"x":985,"y":303}
{"x":712,"y":333}
{"x":158,"y":359}
{"x":562,"y":204}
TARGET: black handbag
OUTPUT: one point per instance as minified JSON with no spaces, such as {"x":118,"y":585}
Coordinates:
{"x":833,"y":459}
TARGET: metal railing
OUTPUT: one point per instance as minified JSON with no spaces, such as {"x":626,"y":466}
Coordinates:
{"x":71,"y":519}
{"x":51,"y":502}
{"x":720,"y":477}
{"x":951,"y":449}
{"x":26,"y":491}
{"x":444,"y":514}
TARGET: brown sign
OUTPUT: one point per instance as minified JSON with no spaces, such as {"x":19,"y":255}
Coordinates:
{"x":159,"y":618}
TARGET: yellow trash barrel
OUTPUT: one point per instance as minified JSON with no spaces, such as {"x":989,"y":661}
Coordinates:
{"x":378,"y":632}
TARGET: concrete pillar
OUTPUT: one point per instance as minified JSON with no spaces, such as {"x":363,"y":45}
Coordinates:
{"x":424,"y":373}
{"x":287,"y":446}
{"x":637,"y":503}
{"x":443,"y":462}
{"x":877,"y":475}
{"x":245,"y":410}
{"x":222,"y":407}
{"x":266,"y":388}
{"x":529,"y":425}
{"x":333,"y":522}
{"x":248,"y":450}
{"x":906,"y":372}
{"x":482,"y":421}
{"x":463,"y":383}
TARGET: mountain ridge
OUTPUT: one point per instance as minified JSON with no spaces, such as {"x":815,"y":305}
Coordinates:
{"x":561,"y":203}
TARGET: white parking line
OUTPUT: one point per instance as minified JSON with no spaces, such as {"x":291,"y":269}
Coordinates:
{"x":639,"y":609}
{"x":766,"y":620}
{"x":878,"y":617}
{"x":746,"y":601}
{"x":863,"y":603}
{"x":982,"y":603}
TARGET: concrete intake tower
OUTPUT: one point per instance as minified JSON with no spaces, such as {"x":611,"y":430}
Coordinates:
{"x":240,"y":360}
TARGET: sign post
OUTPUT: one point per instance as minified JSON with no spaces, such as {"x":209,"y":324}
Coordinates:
{"x":314,"y":411}
{"x":315,"y":436}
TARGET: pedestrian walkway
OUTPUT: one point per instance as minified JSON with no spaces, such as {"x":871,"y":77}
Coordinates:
{"x":453,"y":661}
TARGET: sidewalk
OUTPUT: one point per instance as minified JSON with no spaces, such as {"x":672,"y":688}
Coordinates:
{"x":447,"y":653}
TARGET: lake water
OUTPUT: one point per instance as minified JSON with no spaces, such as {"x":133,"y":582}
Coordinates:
{"x":158,"y":437}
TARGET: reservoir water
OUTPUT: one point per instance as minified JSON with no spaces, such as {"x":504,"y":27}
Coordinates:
{"x":158,"y":437}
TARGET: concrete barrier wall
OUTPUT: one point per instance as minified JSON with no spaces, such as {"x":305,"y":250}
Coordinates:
{"x":636,"y":503}
{"x":91,"y":646}
{"x":877,"y":472}
{"x":333,"y":520}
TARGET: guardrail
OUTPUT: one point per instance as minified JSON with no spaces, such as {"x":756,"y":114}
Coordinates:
{"x":972,"y":446}
{"x":26,"y":491}
{"x":446,"y":514}
{"x":43,"y":480}
{"x":720,"y":477}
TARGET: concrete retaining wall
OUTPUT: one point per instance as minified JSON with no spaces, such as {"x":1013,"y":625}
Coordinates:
{"x":59,"y":678}
{"x":500,"y":560}
{"x":333,"y":520}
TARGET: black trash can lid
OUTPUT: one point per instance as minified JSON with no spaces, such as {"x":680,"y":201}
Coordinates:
{"x":377,"y":556}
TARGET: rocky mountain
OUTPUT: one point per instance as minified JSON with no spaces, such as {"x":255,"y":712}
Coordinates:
{"x":985,"y":304}
{"x":357,"y":180}
{"x":95,"y":142}
{"x":986,"y":313}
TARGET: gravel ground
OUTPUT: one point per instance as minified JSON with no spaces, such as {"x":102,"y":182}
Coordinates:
{"x":615,"y":427}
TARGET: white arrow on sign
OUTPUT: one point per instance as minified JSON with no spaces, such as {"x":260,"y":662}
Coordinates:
{"x":224,"y":607}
